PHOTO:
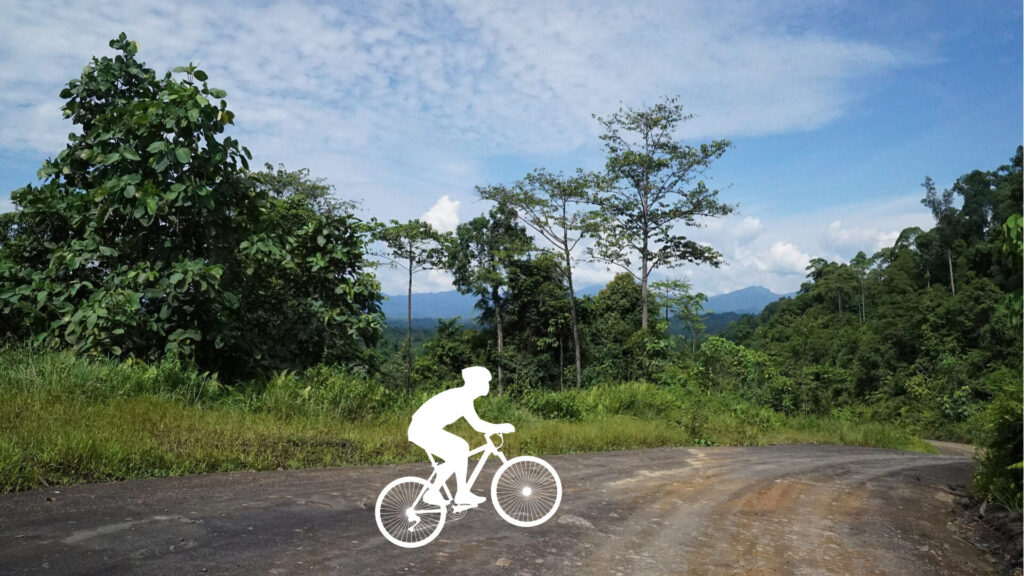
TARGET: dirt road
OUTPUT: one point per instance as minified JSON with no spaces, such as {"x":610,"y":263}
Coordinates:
{"x":766,"y":510}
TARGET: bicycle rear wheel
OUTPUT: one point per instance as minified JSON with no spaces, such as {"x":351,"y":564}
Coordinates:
{"x":404,"y":518}
{"x":526,"y":491}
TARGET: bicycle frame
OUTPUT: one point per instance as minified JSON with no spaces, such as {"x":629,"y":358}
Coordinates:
{"x":486,"y":451}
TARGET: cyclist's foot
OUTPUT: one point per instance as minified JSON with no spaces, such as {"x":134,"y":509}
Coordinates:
{"x":469,"y":499}
{"x":434,"y":498}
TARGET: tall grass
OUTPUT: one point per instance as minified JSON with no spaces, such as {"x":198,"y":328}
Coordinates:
{"x":67,"y":420}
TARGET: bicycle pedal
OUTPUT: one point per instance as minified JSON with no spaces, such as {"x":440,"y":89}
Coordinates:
{"x":457,"y":508}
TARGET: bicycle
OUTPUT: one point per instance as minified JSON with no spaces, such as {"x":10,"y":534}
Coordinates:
{"x":525,"y":491}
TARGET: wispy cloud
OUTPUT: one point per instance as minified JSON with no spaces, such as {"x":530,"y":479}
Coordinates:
{"x":402,"y":103}
{"x":403,"y":100}
{"x":776,"y":254}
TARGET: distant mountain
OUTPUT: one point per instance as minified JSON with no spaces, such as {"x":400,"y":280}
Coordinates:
{"x":430,"y":305}
{"x":444,"y":304}
{"x":750,"y":300}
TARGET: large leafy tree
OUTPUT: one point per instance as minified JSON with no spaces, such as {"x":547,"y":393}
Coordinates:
{"x":480,"y":260}
{"x":657,"y":186}
{"x":148,"y":236}
{"x":536,"y":319}
{"x":413,"y":246}
{"x":617,"y":347}
{"x":303,"y":277}
{"x":553,"y":206}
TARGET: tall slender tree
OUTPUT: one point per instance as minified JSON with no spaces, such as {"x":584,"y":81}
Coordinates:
{"x":413,"y":246}
{"x":861,"y":264}
{"x":552,"y":206}
{"x":480,"y":257}
{"x":944,"y":212}
{"x":675,"y":296}
{"x":655,"y":186}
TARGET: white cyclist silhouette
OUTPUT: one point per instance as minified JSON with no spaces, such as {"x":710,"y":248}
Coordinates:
{"x":525,"y":490}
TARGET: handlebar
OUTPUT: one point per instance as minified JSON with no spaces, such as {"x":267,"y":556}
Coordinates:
{"x":491,"y":442}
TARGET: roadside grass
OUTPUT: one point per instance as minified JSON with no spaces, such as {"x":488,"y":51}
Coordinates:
{"x":67,"y":420}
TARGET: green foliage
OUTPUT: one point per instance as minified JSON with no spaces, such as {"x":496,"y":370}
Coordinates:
{"x":480,"y":258}
{"x":728,"y":367}
{"x":674,"y":297}
{"x":999,"y":433}
{"x":612,"y":330}
{"x":445,"y":355}
{"x":924,"y":333}
{"x":323,"y":390}
{"x":413,"y":246}
{"x":1001,"y":425}
{"x":553,"y":405}
{"x":552,"y":205}
{"x":148,"y":237}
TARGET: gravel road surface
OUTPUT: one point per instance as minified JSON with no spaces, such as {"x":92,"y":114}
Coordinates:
{"x":806,"y":509}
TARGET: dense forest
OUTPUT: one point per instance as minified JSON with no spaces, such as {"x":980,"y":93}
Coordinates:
{"x":151,"y":240}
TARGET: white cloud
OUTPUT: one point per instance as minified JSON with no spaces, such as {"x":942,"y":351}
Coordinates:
{"x":444,"y":214}
{"x":785,"y":258}
{"x":775,"y":256}
{"x":864,"y":238}
{"x":400,"y":103}
{"x":747,"y":228}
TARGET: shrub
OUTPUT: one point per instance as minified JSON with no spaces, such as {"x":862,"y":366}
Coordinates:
{"x":998,"y":474}
{"x":324,"y":390}
{"x":554,"y":405}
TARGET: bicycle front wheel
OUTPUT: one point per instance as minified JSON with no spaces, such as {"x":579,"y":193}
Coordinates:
{"x":526,"y":491}
{"x":404,"y":518}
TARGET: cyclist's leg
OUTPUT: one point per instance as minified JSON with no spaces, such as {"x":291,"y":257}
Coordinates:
{"x":444,"y":471}
{"x":455,"y":453}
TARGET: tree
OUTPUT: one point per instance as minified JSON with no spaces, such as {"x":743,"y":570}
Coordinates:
{"x":414,"y":246}
{"x":615,"y":342}
{"x":536,"y":318}
{"x":148,"y":236}
{"x":480,"y":258}
{"x":861,"y":264}
{"x":655,"y":187}
{"x":303,"y":277}
{"x":943,"y":211}
{"x":550,"y":204}
{"x":675,"y":296}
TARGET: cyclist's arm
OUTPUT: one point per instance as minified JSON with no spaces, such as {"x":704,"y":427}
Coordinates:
{"x":479,"y":424}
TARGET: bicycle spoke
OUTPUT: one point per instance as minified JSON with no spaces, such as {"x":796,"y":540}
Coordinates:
{"x":527,"y":491}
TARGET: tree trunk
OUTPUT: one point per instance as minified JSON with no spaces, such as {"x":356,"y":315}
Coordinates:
{"x":952,"y":286}
{"x":497,"y":323}
{"x":408,"y":332}
{"x":643,"y":295}
{"x":561,"y":365}
{"x":575,"y":323}
{"x":863,"y":310}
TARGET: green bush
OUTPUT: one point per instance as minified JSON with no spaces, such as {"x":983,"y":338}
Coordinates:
{"x":999,"y":431}
{"x":729,"y":367}
{"x":324,"y":390}
{"x":553,"y":405}
{"x":637,"y":399}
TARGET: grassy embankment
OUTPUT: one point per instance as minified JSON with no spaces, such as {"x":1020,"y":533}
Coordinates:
{"x":66,"y":420}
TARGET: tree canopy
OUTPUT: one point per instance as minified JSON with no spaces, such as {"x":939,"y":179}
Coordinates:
{"x":656,"y":186}
{"x":149,"y":236}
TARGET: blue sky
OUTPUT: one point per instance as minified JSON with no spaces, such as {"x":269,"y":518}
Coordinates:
{"x":837,"y":110}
